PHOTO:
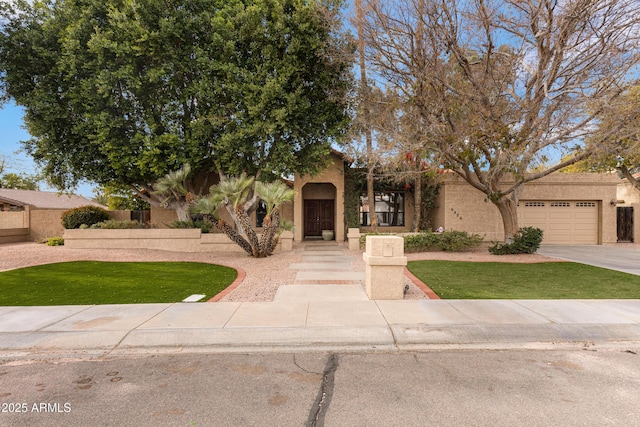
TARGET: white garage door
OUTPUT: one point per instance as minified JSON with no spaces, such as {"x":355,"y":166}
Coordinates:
{"x":563,"y":222}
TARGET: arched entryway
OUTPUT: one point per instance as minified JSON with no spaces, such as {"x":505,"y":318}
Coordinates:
{"x":319,"y":211}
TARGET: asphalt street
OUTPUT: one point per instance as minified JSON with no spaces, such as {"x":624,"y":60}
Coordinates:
{"x":569,"y":387}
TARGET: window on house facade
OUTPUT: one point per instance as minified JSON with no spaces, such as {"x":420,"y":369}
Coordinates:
{"x":389,"y":209}
{"x":261,"y":212}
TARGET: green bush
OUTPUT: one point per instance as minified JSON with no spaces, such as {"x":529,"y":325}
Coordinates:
{"x":55,"y":241}
{"x":448,"y":241}
{"x":422,"y":242}
{"x":526,"y":241}
{"x":87,"y":215}
{"x":204,"y":225}
{"x":112,"y":224}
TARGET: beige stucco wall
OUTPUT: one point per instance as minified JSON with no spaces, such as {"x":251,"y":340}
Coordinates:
{"x":180,"y":240}
{"x":120,"y":215}
{"x":333,"y":174}
{"x":627,"y":194}
{"x":45,"y":223}
{"x":13,"y":235}
{"x":462,"y":207}
{"x":14,"y":219}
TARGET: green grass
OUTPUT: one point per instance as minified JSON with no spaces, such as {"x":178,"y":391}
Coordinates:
{"x":549,"y":280}
{"x":93,"y":282}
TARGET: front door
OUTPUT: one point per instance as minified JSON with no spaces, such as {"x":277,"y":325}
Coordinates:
{"x":318,"y":216}
{"x":625,"y":224}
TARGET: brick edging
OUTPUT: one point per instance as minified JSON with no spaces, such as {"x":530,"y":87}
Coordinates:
{"x":241,"y":275}
{"x":424,"y":288}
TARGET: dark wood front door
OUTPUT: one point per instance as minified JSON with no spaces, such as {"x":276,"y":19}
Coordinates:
{"x":625,"y":224}
{"x":318,"y":216}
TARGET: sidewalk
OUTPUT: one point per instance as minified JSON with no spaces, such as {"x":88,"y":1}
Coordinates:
{"x":325,"y":309}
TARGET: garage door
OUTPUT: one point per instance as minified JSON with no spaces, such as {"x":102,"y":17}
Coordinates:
{"x":563,"y":222}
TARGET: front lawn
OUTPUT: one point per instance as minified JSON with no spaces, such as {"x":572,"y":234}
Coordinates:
{"x":94,"y":282}
{"x":549,"y":280}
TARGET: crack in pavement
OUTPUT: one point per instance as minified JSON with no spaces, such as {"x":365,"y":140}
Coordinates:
{"x":321,"y":404}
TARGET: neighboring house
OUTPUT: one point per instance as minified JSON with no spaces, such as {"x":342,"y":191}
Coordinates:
{"x":571,"y":208}
{"x":37,"y":213}
{"x":16,"y":200}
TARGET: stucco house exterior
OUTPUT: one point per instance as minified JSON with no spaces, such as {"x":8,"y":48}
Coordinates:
{"x":571,"y":208}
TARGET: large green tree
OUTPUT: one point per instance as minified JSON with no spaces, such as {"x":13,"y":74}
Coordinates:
{"x":125,"y":91}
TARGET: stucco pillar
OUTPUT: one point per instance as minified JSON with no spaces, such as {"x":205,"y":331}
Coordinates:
{"x":353,"y":236}
{"x":385,"y":262}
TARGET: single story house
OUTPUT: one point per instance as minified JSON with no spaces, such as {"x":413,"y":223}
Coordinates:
{"x":34,"y":215}
{"x":571,"y":208}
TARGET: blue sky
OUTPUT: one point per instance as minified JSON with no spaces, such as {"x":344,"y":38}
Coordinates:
{"x":11,"y":133}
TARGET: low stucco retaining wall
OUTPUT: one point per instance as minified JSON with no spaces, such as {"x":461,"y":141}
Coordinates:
{"x":180,"y":240}
{"x":14,"y":235}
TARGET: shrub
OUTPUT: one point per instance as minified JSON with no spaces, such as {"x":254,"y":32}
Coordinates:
{"x":87,"y":215}
{"x":526,"y":241}
{"x":422,"y":242}
{"x":448,"y":241}
{"x":55,"y":241}
{"x":112,"y":224}
{"x":204,"y":225}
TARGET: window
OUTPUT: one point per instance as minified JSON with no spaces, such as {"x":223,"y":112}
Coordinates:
{"x":560,"y":204}
{"x":261,"y":212}
{"x":533,"y":204}
{"x":389,"y":209}
{"x":585,"y":204}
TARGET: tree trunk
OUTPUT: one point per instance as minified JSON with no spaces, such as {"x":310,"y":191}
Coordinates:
{"x":244,"y":224}
{"x":635,"y":182}
{"x":509,"y":212}
{"x":364,"y":95}
{"x":233,"y":235}
{"x":182,"y":210}
{"x":417,"y":203}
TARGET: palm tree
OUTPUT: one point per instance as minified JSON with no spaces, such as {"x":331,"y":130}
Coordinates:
{"x":233,"y":193}
{"x":209,"y":207}
{"x":173,"y":187}
{"x":273,"y":195}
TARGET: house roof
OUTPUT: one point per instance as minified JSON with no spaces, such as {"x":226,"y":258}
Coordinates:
{"x":43,"y":199}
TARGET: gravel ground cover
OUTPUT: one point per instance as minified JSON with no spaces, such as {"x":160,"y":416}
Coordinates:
{"x":263,"y":275}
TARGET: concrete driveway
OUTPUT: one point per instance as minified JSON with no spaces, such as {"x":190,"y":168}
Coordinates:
{"x":622,"y":257}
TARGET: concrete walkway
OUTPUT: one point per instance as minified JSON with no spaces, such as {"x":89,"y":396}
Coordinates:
{"x":621,"y":257}
{"x":325,"y":308}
